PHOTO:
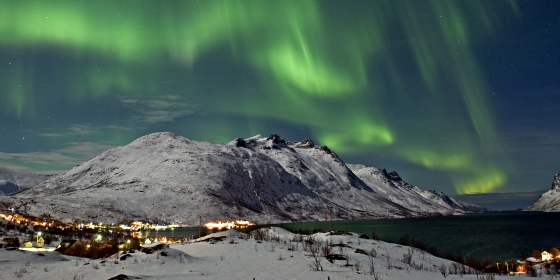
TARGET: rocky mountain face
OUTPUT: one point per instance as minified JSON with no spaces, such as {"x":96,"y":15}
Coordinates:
{"x":395,"y":189}
{"x":550,"y":200}
{"x":162,"y":177}
{"x":14,"y":181}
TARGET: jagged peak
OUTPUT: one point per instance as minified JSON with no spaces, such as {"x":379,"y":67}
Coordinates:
{"x":556,"y":182}
{"x":256,"y":137}
{"x":393,"y":175}
{"x":307,"y":143}
{"x":274,"y":141}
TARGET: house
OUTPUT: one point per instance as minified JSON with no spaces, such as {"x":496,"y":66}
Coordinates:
{"x":40,"y":242}
{"x":546,"y":256}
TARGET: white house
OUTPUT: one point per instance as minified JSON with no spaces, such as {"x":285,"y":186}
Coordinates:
{"x":546,"y":256}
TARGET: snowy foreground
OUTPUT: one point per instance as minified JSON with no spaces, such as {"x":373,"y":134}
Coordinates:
{"x":237,"y":256}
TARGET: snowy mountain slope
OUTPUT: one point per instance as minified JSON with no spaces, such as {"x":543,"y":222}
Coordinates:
{"x":13,"y":181}
{"x":395,"y":189}
{"x":163,"y":177}
{"x":550,"y":200}
{"x":326,"y":175}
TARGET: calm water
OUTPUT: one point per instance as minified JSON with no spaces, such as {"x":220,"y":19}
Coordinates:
{"x":492,"y":236}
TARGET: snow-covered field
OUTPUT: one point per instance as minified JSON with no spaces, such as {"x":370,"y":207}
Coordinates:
{"x":285,"y":256}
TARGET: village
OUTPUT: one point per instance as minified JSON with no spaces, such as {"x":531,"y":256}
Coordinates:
{"x":94,"y":240}
{"x":97,"y":240}
{"x":546,"y":262}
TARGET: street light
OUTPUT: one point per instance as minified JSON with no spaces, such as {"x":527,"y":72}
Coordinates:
{"x":39,"y":234}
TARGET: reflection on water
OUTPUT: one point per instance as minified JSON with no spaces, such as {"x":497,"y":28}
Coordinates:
{"x":180,"y":232}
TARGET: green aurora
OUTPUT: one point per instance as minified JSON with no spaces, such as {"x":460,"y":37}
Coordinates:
{"x":377,"y":77}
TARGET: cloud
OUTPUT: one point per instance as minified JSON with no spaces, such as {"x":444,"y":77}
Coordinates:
{"x":54,"y":160}
{"x":160,"y":109}
{"x":81,"y":130}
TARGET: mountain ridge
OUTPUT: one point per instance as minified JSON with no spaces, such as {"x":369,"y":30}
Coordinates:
{"x":550,"y":200}
{"x":162,"y":177}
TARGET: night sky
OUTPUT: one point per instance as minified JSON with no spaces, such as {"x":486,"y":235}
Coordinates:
{"x":458,"y":96}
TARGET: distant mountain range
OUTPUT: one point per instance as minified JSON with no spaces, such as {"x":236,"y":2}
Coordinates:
{"x":162,"y":177}
{"x":14,"y":181}
{"x":550,"y":200}
{"x":501,"y":201}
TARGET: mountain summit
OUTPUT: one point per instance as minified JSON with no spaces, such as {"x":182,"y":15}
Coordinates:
{"x":165,"y":178}
{"x":550,"y":200}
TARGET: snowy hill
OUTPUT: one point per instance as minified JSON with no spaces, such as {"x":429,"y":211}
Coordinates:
{"x":550,"y":200}
{"x":288,"y":256}
{"x":162,"y":177}
{"x":13,"y":181}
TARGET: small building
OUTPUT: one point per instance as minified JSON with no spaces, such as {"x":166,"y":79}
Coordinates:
{"x":40,"y":242}
{"x":546,"y":256}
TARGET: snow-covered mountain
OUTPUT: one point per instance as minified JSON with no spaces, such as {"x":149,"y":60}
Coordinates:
{"x":395,"y":189}
{"x":13,"y":181}
{"x":162,"y":177}
{"x":550,"y":200}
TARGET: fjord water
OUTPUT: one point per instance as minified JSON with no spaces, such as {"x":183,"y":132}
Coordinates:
{"x":488,"y":236}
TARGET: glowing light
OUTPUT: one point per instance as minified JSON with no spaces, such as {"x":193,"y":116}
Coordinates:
{"x":314,"y":76}
{"x":483,"y":182}
{"x":546,"y":256}
{"x":227,"y":224}
{"x":327,"y":67}
{"x":444,"y":161}
{"x":521,"y":268}
{"x":45,"y":249}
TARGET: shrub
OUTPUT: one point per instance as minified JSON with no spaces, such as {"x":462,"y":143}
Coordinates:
{"x":443,"y":270}
{"x":407,"y":257}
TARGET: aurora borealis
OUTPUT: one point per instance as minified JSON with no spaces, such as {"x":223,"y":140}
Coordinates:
{"x":423,"y":87}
